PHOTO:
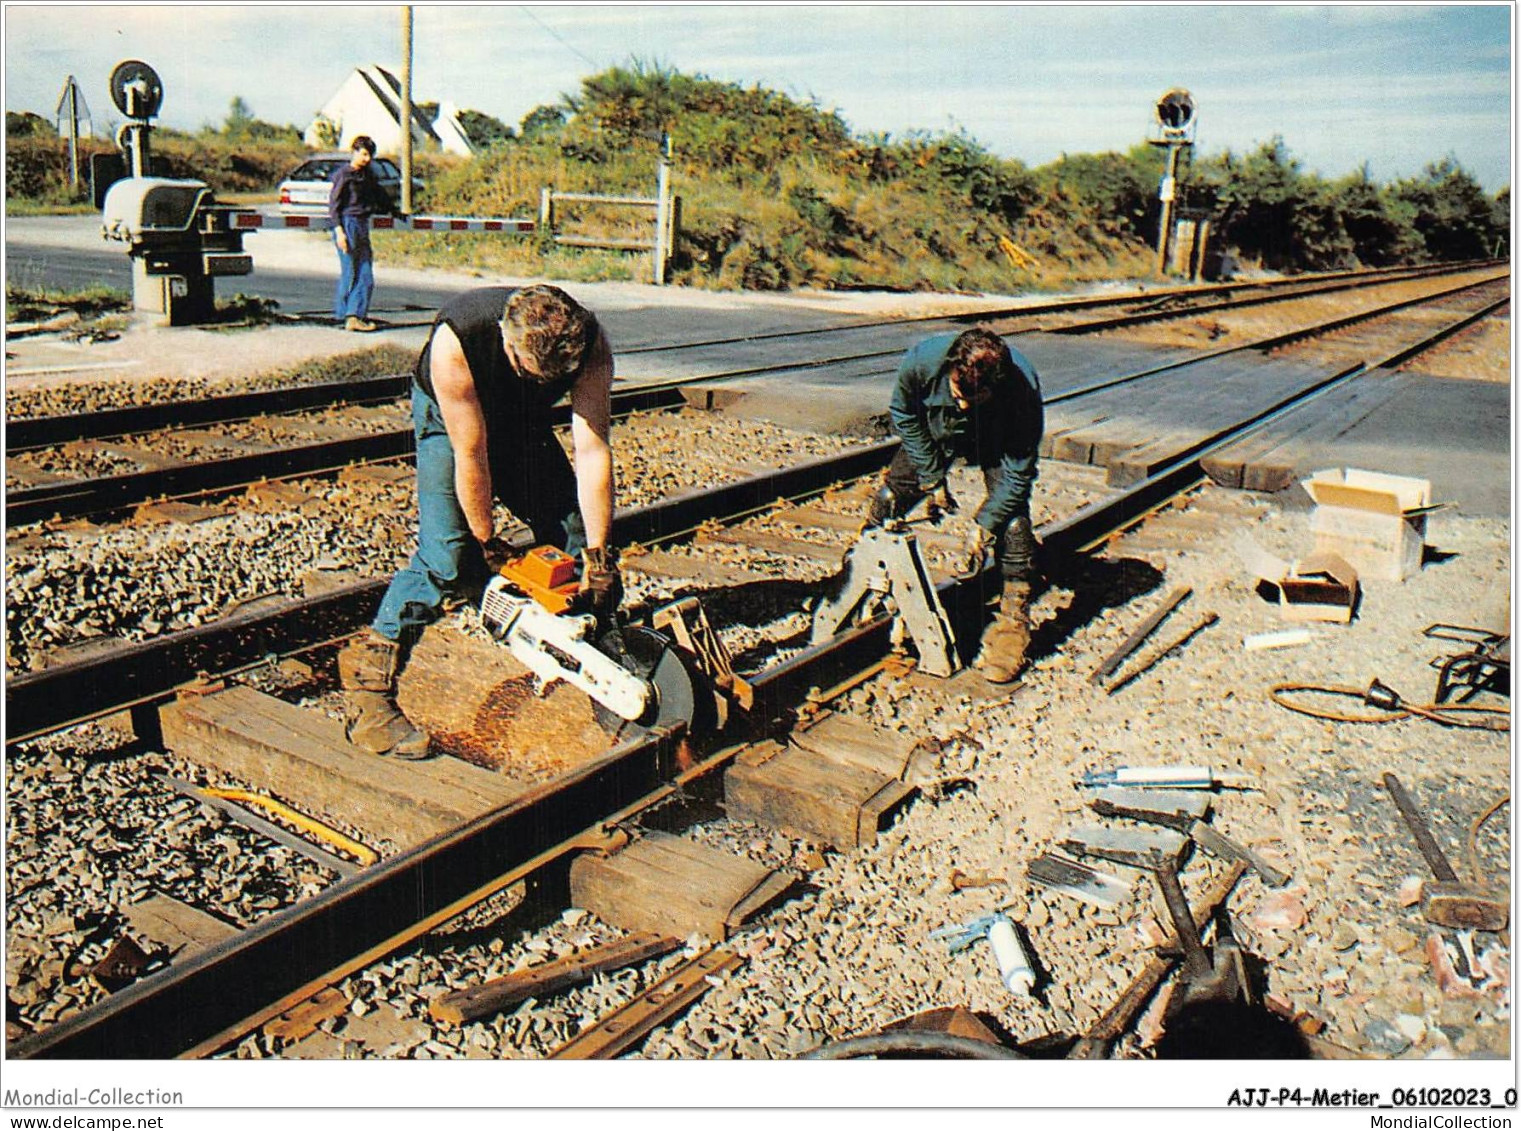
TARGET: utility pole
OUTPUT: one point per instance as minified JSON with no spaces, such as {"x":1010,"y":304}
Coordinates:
{"x":406,"y":110}
{"x":663,"y":209}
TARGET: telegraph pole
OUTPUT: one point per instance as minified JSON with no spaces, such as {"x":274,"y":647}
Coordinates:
{"x":406,"y":110}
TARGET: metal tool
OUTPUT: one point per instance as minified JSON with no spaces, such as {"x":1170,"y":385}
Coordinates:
{"x":633,"y":675}
{"x":1175,"y":808}
{"x":1211,"y":974}
{"x":1485,"y":667}
{"x":1057,"y":873}
{"x":1448,"y":902}
{"x":884,"y":569}
{"x":1167,"y":777}
{"x":1184,"y":810}
{"x":1177,"y":645}
{"x":1139,"y":635}
{"x":1013,"y":963}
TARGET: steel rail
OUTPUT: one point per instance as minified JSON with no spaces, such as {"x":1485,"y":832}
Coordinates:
{"x":187,"y":1009}
{"x":139,"y":673}
{"x":75,"y":498}
{"x":47,"y":431}
{"x":1273,"y":341}
{"x":1060,"y":306}
{"x":39,"y":432}
{"x":1231,"y":303}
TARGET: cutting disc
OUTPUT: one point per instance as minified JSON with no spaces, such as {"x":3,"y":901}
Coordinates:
{"x":653,"y":657}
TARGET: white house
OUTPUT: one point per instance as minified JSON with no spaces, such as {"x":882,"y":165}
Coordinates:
{"x":369,"y":102}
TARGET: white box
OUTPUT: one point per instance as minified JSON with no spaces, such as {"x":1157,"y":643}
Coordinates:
{"x":1376,"y":522}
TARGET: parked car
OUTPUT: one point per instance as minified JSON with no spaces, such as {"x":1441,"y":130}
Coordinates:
{"x":305,"y":192}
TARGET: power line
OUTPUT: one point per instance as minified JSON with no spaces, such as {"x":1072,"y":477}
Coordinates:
{"x":558,"y":38}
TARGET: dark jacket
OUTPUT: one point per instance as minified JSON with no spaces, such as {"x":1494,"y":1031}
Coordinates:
{"x":1003,"y":433}
{"x":356,"y":192}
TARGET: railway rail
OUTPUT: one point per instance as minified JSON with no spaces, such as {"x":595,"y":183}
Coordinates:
{"x":83,"y":497}
{"x":30,"y":434}
{"x":194,"y":1010}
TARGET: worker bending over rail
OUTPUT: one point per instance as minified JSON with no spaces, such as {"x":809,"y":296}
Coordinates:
{"x":496,"y":361}
{"x":971,"y":395}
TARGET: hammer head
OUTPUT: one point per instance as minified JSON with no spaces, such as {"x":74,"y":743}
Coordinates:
{"x":1465,"y":907}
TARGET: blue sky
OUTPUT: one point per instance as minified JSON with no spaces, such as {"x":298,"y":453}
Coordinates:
{"x":1396,"y":86}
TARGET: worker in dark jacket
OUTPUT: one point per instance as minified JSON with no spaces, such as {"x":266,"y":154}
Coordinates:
{"x":496,"y":361}
{"x":970,"y":395}
{"x":356,"y":196}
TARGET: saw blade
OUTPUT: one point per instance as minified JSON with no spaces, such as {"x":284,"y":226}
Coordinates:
{"x":654,"y":657}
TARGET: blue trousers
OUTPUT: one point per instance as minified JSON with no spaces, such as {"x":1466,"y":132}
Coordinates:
{"x":534,"y":480}
{"x":356,"y":270}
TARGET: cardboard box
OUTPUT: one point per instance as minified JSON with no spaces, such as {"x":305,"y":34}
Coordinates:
{"x":1322,"y":587}
{"x":1376,"y":522}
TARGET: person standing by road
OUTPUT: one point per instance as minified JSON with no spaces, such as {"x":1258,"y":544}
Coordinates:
{"x":971,"y":395}
{"x":355,"y":197}
{"x":496,"y":361}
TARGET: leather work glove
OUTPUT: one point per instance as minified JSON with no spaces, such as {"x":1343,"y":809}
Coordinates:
{"x":601,"y":583}
{"x":978,"y":543}
{"x":497,"y":552}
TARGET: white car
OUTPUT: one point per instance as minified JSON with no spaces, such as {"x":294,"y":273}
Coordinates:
{"x":306,"y":191}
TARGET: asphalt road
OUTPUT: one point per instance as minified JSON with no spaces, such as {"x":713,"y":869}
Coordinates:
{"x":297,"y":270}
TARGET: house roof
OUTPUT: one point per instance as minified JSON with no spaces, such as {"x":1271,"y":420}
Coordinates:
{"x":390,"y":99}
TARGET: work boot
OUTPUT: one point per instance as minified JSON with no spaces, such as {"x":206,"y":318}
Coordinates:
{"x":1007,"y":639}
{"x":354,"y":322}
{"x":367,"y":670}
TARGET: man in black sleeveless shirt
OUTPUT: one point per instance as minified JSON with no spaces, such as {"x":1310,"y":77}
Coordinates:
{"x":495,"y":364}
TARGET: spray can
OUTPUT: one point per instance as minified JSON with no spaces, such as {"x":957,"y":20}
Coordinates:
{"x":1013,"y":964}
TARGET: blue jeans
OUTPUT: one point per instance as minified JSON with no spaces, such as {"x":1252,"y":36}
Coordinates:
{"x":356,"y":270}
{"x":534,"y":480}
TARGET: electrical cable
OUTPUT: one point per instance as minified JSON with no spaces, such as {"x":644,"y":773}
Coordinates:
{"x":912,"y":1042}
{"x":1473,"y":837}
{"x":1393,"y":707}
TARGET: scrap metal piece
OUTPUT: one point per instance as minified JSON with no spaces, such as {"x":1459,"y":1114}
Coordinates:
{"x":1177,"y":645}
{"x":475,"y":1002}
{"x":885,"y":568}
{"x":1176,"y":808}
{"x":1218,"y":844}
{"x":1137,"y":848}
{"x":1139,"y":635}
{"x":626,"y":1026}
{"x":123,"y":964}
{"x":1485,"y":667}
{"x":1078,"y":880}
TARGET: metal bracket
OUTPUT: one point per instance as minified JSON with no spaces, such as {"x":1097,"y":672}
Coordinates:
{"x":1485,"y":668}
{"x":686,"y":622}
{"x":885,"y":570}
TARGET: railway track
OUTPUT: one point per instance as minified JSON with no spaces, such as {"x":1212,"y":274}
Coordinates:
{"x":30,"y":434}
{"x":395,"y":901}
{"x":62,"y":497}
